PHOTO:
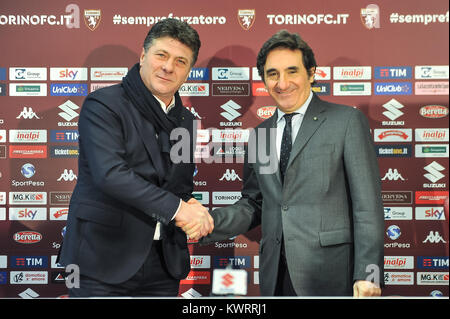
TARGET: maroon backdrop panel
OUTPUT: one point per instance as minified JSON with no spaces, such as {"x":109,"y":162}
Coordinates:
{"x":387,"y":58}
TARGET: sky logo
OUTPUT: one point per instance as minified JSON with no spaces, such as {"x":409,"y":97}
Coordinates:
{"x":393,"y":72}
{"x":198,"y":74}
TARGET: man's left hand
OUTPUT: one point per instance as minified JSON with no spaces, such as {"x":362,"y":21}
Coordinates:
{"x":363,"y":288}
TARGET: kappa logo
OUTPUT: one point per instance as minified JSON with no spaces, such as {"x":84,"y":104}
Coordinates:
{"x":392,"y":175}
{"x":67,"y":175}
{"x":434,"y":171}
{"x":246,"y":18}
{"x":230,"y":176}
{"x":27,"y":114}
{"x":393,"y":109}
{"x":230,"y":110}
{"x":434,"y":238}
{"x":92,"y":18}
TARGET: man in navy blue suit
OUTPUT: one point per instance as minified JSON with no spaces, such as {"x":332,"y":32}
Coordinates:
{"x":121,"y":226}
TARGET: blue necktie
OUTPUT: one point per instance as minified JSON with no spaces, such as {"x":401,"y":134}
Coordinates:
{"x":286,"y":144}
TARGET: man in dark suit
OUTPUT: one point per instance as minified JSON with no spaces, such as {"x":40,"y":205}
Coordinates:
{"x":121,"y":229}
{"x":321,"y":212}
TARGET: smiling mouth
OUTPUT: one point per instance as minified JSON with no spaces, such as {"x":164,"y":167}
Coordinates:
{"x":285,"y":93}
{"x":163,"y":78}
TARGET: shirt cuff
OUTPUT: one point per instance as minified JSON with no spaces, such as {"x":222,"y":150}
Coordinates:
{"x":178,"y":209}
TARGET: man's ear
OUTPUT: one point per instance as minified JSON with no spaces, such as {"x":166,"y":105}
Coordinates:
{"x":311,"y":73}
{"x":142,"y":57}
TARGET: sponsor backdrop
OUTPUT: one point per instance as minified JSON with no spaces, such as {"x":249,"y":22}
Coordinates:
{"x":386,"y":58}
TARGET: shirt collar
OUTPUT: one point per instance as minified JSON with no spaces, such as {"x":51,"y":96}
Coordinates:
{"x":301,"y":110}
{"x":163,"y":105}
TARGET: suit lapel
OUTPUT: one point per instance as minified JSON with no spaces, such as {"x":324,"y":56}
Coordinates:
{"x":148,"y":136}
{"x":314,"y":117}
{"x":271,"y":146}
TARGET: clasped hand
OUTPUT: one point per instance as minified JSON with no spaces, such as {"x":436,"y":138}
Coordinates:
{"x":194,"y":219}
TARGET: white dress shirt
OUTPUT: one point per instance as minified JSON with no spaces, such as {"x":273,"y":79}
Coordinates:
{"x":158,"y":224}
{"x":296,"y":123}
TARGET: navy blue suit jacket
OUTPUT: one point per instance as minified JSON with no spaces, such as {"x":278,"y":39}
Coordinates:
{"x":122,"y":191}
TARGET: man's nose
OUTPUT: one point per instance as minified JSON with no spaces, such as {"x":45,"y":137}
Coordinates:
{"x":283,"y":82}
{"x":168,"y":66}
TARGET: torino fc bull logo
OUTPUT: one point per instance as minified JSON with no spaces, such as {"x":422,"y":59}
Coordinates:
{"x":92,"y":18}
{"x":246,"y":17}
{"x":370,"y":16}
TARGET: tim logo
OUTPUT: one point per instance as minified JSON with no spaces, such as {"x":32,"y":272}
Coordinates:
{"x":236,"y":262}
{"x":198,"y":74}
{"x":29,"y":262}
{"x":393,"y":72}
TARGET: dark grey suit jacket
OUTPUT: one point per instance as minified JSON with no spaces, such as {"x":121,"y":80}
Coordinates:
{"x":329,"y":210}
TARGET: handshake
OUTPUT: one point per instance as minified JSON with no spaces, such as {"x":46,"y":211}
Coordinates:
{"x":194,"y":219}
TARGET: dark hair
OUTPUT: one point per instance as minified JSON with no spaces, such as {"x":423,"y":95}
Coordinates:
{"x":287,"y":40}
{"x":176,"y":29}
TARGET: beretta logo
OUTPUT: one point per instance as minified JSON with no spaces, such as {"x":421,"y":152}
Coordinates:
{"x":27,"y":237}
{"x":433,"y":111}
{"x":266,"y":112}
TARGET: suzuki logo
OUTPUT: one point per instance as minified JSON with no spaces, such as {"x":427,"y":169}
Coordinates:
{"x":434,"y":173}
{"x":227,"y":280}
{"x":68,"y":110}
{"x":230,"y":110}
{"x":393,"y":109}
